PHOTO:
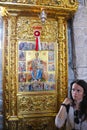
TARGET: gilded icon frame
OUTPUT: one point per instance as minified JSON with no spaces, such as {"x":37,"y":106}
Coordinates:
{"x":35,"y":109}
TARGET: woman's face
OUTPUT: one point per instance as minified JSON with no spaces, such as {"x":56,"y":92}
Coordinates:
{"x":77,"y":92}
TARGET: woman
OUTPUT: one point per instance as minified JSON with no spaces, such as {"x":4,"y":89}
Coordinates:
{"x":73,"y":110}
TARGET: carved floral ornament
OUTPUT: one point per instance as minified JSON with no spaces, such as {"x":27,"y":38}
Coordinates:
{"x":3,"y":11}
{"x":47,"y":2}
{"x":50,"y":3}
{"x":52,"y":8}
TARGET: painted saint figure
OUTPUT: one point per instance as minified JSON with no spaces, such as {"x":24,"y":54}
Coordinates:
{"x":36,"y":68}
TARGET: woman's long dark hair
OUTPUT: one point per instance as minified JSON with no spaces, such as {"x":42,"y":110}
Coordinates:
{"x":83,"y":103}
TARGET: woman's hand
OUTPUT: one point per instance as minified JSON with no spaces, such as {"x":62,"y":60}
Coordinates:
{"x":67,"y":101}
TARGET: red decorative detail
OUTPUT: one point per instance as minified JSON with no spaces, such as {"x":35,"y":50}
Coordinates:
{"x":37,"y":46}
{"x":36,"y":33}
{"x":37,"y":36}
{"x":37,"y":27}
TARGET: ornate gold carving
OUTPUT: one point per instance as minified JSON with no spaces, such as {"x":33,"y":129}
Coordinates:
{"x":30,"y":107}
{"x":44,"y":2}
{"x":6,"y":71}
{"x":37,"y":5}
{"x":40,"y":103}
{"x":62,"y":64}
{"x":12,"y":64}
{"x":25,"y":29}
{"x":13,"y":123}
{"x":3,"y":11}
{"x":45,"y":123}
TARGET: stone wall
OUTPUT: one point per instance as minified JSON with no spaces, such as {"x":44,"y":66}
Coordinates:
{"x":77,"y":43}
{"x":71,"y":75}
{"x":80,"y":42}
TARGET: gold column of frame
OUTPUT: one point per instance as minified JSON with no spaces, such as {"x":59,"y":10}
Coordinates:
{"x":10,"y":78}
{"x":62,"y":58}
{"x":12,"y":72}
{"x":6,"y":71}
{"x":34,"y":111}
